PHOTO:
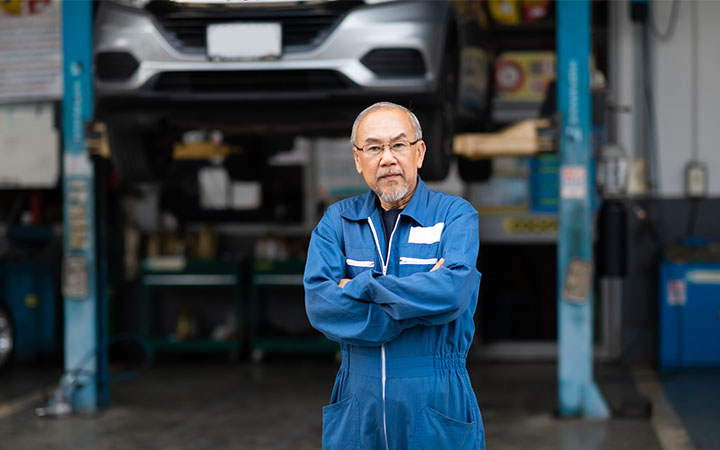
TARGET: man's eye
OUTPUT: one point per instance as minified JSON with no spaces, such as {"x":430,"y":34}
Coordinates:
{"x":374,"y":149}
{"x":398,"y":146}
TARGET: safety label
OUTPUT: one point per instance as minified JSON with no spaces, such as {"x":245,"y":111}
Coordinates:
{"x":545,"y":225}
{"x":573,"y":182}
{"x":676,"y":292}
{"x":578,"y":279}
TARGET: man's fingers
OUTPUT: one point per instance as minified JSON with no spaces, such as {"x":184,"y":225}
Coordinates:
{"x":343,"y":282}
{"x":438,"y":264}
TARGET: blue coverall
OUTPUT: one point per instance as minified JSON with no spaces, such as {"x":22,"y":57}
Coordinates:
{"x":404,"y":331}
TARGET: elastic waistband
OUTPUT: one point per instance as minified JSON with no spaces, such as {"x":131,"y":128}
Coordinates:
{"x":401,"y":367}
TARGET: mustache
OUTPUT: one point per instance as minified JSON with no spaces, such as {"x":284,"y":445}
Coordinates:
{"x":388,"y":173}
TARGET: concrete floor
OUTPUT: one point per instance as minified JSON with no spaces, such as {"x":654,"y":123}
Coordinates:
{"x":696,"y":398}
{"x":210,"y":403}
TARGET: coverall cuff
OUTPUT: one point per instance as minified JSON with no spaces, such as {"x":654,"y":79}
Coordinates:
{"x":356,"y":288}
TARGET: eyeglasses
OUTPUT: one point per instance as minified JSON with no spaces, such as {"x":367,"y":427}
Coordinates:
{"x":398,"y":148}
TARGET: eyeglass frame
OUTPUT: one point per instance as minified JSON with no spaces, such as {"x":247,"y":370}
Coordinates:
{"x":389,"y":145}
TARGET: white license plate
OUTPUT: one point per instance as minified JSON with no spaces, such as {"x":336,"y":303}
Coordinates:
{"x":244,"y":40}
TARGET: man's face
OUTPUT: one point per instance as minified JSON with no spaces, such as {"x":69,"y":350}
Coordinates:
{"x":392,"y":176}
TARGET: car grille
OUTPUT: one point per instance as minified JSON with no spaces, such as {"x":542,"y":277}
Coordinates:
{"x":252,"y":82}
{"x":303,"y":25}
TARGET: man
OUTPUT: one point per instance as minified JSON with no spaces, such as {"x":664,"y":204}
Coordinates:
{"x":391,"y":276}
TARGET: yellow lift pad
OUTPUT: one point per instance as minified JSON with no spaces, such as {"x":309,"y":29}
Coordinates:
{"x":524,"y":138}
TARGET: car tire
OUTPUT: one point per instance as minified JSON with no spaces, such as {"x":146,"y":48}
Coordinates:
{"x":7,"y":337}
{"x":135,"y":156}
{"x":477,"y":170}
{"x":474,"y":169}
{"x":438,"y":142}
{"x":439,"y":118}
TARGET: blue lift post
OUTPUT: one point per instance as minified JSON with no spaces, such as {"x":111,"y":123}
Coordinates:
{"x":85,"y":356}
{"x":578,"y":393}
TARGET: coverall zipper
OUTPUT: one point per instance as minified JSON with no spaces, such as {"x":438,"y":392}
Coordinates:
{"x":382,"y":347}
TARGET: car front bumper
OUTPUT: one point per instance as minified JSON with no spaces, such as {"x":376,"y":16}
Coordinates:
{"x":333,"y":68}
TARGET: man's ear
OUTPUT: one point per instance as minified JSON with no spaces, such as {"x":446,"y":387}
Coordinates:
{"x":421,"y":153}
{"x":356,"y":157}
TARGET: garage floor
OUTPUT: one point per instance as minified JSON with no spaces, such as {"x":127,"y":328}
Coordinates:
{"x":211,"y":403}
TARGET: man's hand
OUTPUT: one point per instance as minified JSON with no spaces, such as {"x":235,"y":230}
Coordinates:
{"x":438,"y":264}
{"x":343,"y":282}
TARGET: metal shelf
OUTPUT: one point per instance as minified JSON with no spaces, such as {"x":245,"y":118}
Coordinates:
{"x":180,"y":273}
{"x":258,"y":230}
{"x":268,"y":274}
{"x":199,"y":345}
{"x":320,"y":345}
{"x":505,"y":111}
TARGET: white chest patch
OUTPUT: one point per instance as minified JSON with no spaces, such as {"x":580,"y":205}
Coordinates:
{"x":426,"y":235}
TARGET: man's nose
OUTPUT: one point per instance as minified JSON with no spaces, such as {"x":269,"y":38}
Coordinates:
{"x":387,"y":157}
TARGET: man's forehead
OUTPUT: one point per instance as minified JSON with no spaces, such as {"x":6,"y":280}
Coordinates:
{"x":385,"y":124}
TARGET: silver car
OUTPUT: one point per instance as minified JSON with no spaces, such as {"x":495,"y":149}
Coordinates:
{"x":261,"y":70}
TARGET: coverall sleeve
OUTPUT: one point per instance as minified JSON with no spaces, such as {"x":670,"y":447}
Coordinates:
{"x":430,"y":298}
{"x":331,"y":311}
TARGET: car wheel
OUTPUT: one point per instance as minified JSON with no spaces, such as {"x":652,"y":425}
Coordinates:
{"x":137,"y":156}
{"x":439,"y":119}
{"x":474,"y":169}
{"x":7,"y":337}
{"x":438,"y":137}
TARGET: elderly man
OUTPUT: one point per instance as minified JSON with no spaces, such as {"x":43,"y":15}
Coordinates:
{"x":391,"y":276}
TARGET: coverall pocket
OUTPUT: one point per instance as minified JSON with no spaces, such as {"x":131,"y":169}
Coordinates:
{"x":436,"y":431}
{"x":418,"y":258}
{"x":340,"y":425}
{"x":358,"y":260}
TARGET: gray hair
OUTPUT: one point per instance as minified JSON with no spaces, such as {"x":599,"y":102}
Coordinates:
{"x":417,"y":129}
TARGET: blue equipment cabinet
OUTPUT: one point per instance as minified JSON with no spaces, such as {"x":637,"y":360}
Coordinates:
{"x":689,"y":315}
{"x":28,"y":290}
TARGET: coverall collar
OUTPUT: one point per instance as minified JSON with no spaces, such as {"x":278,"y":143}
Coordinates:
{"x":364,"y":206}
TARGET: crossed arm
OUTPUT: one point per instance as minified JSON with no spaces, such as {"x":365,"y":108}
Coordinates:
{"x":372,"y":308}
{"x":437,"y":265}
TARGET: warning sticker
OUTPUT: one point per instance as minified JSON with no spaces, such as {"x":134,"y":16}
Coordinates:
{"x":573,"y":182}
{"x":676,"y":292}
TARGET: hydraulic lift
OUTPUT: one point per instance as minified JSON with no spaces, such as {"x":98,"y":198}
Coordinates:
{"x":84,"y":300}
{"x":84,"y":385}
{"x":578,"y":393}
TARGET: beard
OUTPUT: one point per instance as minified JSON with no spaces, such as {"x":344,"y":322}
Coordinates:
{"x":394,"y":192}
